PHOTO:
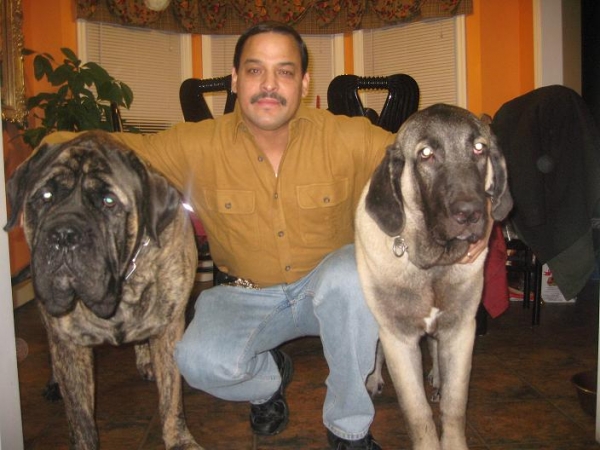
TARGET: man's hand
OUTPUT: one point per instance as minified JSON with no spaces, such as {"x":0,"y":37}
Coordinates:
{"x":478,"y":247}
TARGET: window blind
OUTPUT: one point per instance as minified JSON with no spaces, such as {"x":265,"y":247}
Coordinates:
{"x":426,"y":50}
{"x":321,"y":56}
{"x":153,"y":64}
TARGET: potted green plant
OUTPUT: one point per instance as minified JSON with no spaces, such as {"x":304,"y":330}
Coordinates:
{"x":81,"y":102}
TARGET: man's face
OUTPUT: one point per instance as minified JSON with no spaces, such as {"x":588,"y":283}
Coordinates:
{"x":269,"y":83}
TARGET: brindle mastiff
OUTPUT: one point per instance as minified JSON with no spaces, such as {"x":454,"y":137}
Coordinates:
{"x":424,"y":205}
{"x":113,"y":261}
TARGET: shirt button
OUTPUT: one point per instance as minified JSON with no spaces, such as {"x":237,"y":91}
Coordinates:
{"x":261,"y":159}
{"x":275,"y":195}
{"x":281,"y":234}
{"x":227,"y":205}
{"x":288,"y":268}
{"x":326,"y":200}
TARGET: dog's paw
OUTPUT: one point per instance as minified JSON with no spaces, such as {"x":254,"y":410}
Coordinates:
{"x":375,"y":384}
{"x":52,"y":392}
{"x":433,"y":379}
{"x":146,"y":371}
{"x":189,"y":445}
{"x":143,"y":362}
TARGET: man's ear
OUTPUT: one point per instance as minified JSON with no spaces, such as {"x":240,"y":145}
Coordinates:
{"x":233,"y":80}
{"x":305,"y":84}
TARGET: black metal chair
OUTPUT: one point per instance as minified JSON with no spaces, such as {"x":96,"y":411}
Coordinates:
{"x":402,"y":99}
{"x":195,"y":109}
{"x":193,"y":103}
{"x":522,"y":261}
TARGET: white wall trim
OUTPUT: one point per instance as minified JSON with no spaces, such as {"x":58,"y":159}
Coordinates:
{"x":359,"y":61}
{"x":338,"y":54}
{"x":206,"y":56}
{"x":186,"y":62}
{"x":461,"y":61}
{"x":11,"y":427}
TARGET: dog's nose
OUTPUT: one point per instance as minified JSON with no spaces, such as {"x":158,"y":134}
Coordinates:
{"x":66,"y":238}
{"x":467,"y":211}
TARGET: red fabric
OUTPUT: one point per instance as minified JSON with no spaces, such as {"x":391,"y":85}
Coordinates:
{"x":198,"y":228}
{"x":495,"y":288}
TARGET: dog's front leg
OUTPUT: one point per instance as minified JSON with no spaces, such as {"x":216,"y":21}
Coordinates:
{"x":73,"y":369}
{"x":455,"y":353}
{"x":168,"y":380}
{"x":375,"y":379}
{"x":404,"y":362}
{"x":434,"y":374}
{"x":143,"y":361}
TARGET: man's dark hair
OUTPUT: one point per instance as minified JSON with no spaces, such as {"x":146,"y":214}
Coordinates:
{"x":271,"y":27}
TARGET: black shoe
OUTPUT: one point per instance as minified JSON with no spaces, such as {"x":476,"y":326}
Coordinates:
{"x":272,"y":417}
{"x":366,"y":443}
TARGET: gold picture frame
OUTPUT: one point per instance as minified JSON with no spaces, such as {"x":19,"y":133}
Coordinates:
{"x":13,"y":79}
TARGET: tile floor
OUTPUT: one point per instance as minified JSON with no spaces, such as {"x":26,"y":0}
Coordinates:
{"x":521,"y":396}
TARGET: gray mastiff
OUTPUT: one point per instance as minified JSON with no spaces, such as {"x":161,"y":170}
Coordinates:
{"x":425,"y":203}
{"x":113,"y":261}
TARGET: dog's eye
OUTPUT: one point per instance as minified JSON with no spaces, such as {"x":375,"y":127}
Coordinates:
{"x":479,"y":148}
{"x":109,"y":200}
{"x":426,"y":153}
{"x":46,"y":195}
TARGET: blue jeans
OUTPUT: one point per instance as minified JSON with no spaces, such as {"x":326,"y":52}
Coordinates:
{"x":225,"y":349}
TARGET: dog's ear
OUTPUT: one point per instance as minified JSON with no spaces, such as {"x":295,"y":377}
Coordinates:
{"x":160,"y":201}
{"x":28,"y":172}
{"x":383,"y":201}
{"x":497,"y":183}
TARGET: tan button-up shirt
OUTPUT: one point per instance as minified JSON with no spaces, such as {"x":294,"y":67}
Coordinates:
{"x":261,"y":226}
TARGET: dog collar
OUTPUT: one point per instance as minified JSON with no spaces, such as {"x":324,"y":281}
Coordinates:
{"x":132,"y":264}
{"x":399,"y":247}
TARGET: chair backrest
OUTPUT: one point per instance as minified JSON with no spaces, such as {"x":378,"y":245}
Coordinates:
{"x":402,"y":99}
{"x":115,"y":115}
{"x":191,"y":97}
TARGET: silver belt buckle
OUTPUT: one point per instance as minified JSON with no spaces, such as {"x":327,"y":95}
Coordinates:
{"x":243,"y":283}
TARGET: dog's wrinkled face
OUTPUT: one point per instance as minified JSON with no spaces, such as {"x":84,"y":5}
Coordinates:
{"x":442,"y":168}
{"x":448,"y":150}
{"x":84,"y":216}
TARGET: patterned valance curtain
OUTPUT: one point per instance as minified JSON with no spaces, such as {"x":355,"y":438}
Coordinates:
{"x":234,"y":16}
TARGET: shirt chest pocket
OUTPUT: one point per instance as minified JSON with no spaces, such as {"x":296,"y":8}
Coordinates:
{"x":233,"y":218}
{"x":324,"y":211}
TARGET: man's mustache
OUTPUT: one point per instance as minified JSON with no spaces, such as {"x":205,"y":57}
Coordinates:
{"x":274,"y":95}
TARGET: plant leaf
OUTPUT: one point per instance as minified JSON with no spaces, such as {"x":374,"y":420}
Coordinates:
{"x":110,"y":91}
{"x":33,"y":136}
{"x":61,"y":75}
{"x":37,"y":100}
{"x":71,"y":56}
{"x":127,"y":95}
{"x":99,"y":74}
{"x":48,"y":56}
{"x":41,"y":67}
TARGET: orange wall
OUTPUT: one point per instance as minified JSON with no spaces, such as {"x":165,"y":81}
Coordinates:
{"x":499,"y":53}
{"x":47,"y":26}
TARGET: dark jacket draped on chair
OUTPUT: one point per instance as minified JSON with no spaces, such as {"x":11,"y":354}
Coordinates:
{"x":552,"y":149}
